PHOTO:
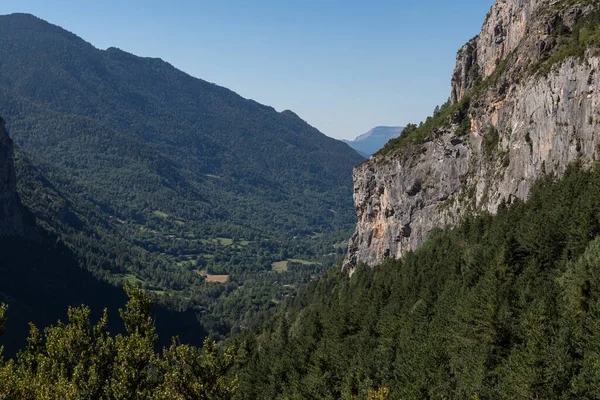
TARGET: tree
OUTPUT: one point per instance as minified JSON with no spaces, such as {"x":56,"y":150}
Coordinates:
{"x":79,"y":361}
{"x":3,"y":308}
{"x":192,"y":375}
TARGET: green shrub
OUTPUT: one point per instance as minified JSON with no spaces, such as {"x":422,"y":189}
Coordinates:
{"x":447,"y":115}
{"x":574,"y":42}
{"x":490,"y":141}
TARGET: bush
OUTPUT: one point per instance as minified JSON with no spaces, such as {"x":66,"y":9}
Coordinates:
{"x":490,"y":141}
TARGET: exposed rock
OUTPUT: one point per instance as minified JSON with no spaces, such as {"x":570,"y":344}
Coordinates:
{"x":413,"y":183}
{"x":509,"y":21}
{"x":11,"y":212}
{"x":542,"y":123}
{"x":463,"y":78}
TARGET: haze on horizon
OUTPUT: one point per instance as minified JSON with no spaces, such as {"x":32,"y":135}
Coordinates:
{"x":344,"y":67}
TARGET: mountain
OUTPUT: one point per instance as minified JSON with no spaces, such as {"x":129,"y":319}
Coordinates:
{"x":159,"y":171}
{"x":144,"y":137}
{"x":473,"y":272}
{"x":523,"y":104}
{"x":372,"y":141}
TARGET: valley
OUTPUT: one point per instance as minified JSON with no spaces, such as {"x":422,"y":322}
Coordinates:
{"x":155,"y":178}
{"x":249,"y":256}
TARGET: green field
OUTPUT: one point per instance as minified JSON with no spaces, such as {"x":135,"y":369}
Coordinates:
{"x":225,"y":241}
{"x":160,"y":214}
{"x":280,"y":266}
{"x":303,"y":262}
{"x":132,"y":280}
{"x":220,"y":240}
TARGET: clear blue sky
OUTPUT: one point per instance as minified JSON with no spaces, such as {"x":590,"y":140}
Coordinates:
{"x":345,"y":66}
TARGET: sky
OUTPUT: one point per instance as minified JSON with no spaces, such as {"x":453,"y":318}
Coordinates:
{"x":344,"y":66}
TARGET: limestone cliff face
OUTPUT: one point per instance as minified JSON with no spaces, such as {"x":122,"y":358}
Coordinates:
{"x":11,"y":213}
{"x":523,"y":124}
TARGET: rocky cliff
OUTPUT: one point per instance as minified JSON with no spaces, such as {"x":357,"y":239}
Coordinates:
{"x":11,"y":213}
{"x":524,"y":102}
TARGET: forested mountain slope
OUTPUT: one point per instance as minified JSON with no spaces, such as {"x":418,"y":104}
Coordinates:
{"x":170,"y":159}
{"x":500,"y":307}
{"x":40,"y":277}
{"x":151,"y":177}
{"x":503,"y":302}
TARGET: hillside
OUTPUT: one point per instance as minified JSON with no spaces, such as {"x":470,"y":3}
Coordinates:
{"x":186,"y":174}
{"x":500,"y":307}
{"x":41,"y":277}
{"x":372,"y":141}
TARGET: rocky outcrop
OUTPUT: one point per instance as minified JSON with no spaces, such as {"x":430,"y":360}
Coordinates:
{"x":398,"y":201}
{"x":524,"y":25}
{"x":523,"y":124}
{"x":463,"y":78}
{"x":11,"y":212}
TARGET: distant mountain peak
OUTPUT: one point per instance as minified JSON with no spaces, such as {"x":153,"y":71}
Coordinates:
{"x":381,"y":131}
{"x":22,"y":24}
{"x":373,"y":140}
{"x":23,"y":16}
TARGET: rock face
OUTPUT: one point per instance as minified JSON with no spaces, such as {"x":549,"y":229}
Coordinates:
{"x":11,"y":213}
{"x":523,"y":124}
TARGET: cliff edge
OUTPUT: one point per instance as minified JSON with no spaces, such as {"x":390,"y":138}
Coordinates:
{"x":11,"y":212}
{"x":524,"y":103}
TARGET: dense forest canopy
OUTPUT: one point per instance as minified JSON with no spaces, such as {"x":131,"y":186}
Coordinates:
{"x":501,"y":306}
{"x":80,"y":360}
{"x":170,"y":165}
